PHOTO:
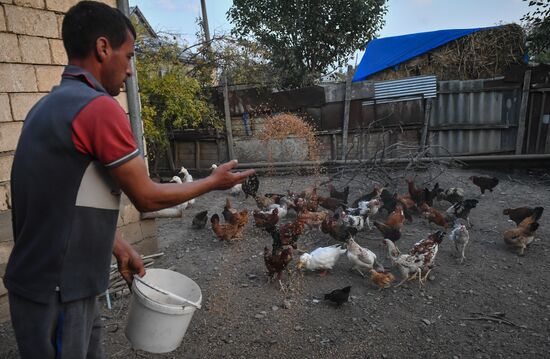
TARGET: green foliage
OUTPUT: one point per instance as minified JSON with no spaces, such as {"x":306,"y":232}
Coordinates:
{"x":538,"y":29}
{"x":304,"y":38}
{"x":170,"y":97}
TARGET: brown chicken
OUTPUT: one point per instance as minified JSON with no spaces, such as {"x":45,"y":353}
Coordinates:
{"x":393,"y":227}
{"x":276,"y":261}
{"x":417,"y":194}
{"x":228,"y":210}
{"x":263,"y":202}
{"x":524,"y":234}
{"x":312,"y":219}
{"x":408,"y":206}
{"x":286,"y":234}
{"x":396,"y":218}
{"x":330,"y":203}
{"x":266,"y":220}
{"x":434,"y":216}
{"x":335,"y":227}
{"x":381,"y":279}
{"x":342,"y":196}
{"x":484,"y":183}
{"x":226,"y":231}
{"x":519,"y":214}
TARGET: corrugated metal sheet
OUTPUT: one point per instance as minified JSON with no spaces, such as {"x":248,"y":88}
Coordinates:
{"x":465,"y":142}
{"x":467,"y":103}
{"x":425,"y":86}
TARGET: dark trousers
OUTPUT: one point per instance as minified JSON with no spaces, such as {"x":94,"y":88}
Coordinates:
{"x":56,"y":330}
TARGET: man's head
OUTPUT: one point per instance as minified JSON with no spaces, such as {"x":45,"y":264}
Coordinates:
{"x":100,"y":39}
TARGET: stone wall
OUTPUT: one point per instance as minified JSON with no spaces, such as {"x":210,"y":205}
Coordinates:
{"x":32,"y":58}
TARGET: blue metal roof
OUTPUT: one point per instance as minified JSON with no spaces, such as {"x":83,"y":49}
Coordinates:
{"x":386,"y":52}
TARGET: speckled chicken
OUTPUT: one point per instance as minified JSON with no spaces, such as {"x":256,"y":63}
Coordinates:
{"x":461,"y":237}
{"x":428,"y":248}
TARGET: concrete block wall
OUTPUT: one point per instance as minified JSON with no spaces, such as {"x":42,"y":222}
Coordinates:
{"x":32,"y":58}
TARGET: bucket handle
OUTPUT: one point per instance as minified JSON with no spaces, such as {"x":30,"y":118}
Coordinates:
{"x":165,"y":292}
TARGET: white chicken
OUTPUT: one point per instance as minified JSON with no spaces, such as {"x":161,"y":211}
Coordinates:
{"x":186,"y":178}
{"x":361,"y":258}
{"x":461,"y":237}
{"x":322,"y":258}
{"x":282,"y":209}
{"x":236,"y":189}
{"x":410,"y":266}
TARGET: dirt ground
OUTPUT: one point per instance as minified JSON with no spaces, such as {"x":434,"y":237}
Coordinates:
{"x":244,"y":316}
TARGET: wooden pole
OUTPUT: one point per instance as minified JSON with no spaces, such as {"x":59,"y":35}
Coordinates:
{"x":228,"y":130}
{"x":347,"y":102}
{"x":523,"y":111}
{"x":427,"y":113}
{"x":539,"y":131}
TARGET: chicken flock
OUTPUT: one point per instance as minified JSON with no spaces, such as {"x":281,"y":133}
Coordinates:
{"x":285,"y":217}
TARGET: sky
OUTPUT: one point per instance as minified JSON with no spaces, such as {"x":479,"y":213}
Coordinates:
{"x":403,"y":16}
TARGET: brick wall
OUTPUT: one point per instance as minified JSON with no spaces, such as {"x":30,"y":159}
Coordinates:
{"x":32,"y":58}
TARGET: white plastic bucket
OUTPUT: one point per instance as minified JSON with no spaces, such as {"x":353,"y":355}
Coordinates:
{"x":156,"y":323}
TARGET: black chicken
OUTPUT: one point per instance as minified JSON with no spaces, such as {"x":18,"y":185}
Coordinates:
{"x":200,"y":219}
{"x":339,"y":296}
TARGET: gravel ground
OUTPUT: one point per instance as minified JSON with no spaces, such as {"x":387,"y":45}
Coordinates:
{"x":244,"y":316}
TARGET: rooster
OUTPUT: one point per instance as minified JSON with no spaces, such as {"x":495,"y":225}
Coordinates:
{"x":330,"y":203}
{"x":428,"y":248}
{"x":417,"y":194}
{"x":393,"y":227}
{"x":484,"y":183}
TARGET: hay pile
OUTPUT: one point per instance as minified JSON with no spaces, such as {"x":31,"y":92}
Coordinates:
{"x":282,"y":126}
{"x":483,"y":54}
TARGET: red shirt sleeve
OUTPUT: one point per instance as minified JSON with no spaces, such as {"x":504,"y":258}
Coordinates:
{"x":102,"y":130}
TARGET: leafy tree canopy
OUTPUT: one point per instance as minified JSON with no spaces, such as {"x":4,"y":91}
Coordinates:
{"x":305,"y":38}
{"x":538,"y":28}
{"x":171,"y":98}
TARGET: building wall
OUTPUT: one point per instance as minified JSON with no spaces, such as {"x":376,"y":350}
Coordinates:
{"x":32,"y":58}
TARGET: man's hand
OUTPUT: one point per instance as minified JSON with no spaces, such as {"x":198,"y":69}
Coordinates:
{"x":225,"y":179}
{"x":128,"y":260}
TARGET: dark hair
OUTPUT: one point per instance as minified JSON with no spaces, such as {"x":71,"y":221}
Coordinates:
{"x":88,"y":20}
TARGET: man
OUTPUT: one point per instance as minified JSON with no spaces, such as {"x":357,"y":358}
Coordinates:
{"x":76,"y":152}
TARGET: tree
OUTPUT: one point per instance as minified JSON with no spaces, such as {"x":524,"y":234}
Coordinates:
{"x":170,"y":97}
{"x":538,"y":29}
{"x":305,"y":38}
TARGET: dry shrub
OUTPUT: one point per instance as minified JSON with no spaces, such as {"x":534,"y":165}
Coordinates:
{"x":282,"y":126}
